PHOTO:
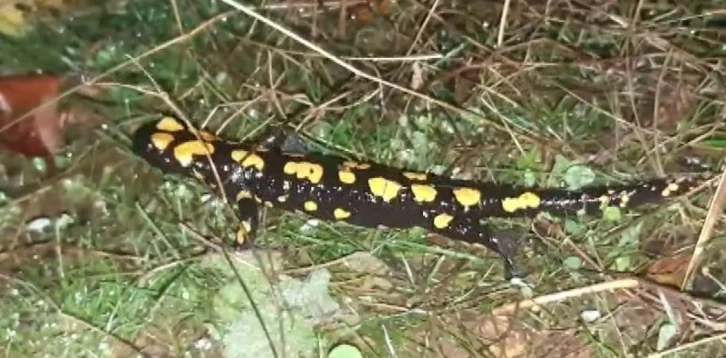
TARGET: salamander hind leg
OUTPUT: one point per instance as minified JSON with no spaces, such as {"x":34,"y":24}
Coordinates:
{"x":472,"y":232}
{"x":248,"y":215}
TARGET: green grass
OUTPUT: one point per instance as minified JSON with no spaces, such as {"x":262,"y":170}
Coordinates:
{"x":569,"y":95}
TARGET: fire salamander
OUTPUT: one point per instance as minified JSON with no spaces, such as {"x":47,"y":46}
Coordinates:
{"x":369,"y":194}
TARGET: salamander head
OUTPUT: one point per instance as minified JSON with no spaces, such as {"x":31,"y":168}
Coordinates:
{"x":173,"y":147}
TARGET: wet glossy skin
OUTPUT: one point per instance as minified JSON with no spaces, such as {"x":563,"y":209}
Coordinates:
{"x":368,"y":194}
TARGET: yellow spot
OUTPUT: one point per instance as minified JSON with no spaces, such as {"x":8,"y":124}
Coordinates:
{"x":442,"y":221}
{"x":468,"y":197}
{"x":246,"y":226}
{"x":243,"y":194}
{"x":282,"y":198}
{"x":346,"y":177}
{"x":161,"y":140}
{"x":415,"y":176}
{"x":269,"y":204}
{"x":670,"y":189}
{"x":184,"y":153}
{"x":247,"y":159}
{"x":305,"y":170}
{"x":423,"y":193}
{"x":341,"y":214}
{"x":384,"y":188}
{"x":604,"y":200}
{"x":310,"y":206}
{"x":624,"y":199}
{"x":525,"y":201}
{"x":245,"y":230}
{"x":170,"y":124}
{"x":356,"y":165}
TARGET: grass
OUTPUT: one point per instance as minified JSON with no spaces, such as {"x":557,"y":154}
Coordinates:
{"x":551,"y":93}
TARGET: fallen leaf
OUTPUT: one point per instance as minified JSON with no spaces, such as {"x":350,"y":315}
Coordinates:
{"x":39,"y":134}
{"x":31,"y":121}
{"x":669,"y":271}
{"x":13,"y":17}
{"x":417,"y":79}
{"x":676,"y":102}
{"x":363,"y":262}
{"x":507,"y":340}
{"x":511,"y":339}
{"x":384,"y":7}
{"x":363,"y":12}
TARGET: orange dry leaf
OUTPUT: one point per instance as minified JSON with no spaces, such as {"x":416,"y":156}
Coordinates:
{"x":364,"y":12}
{"x":40,"y":134}
{"x":669,"y":271}
{"x":384,"y":7}
{"x":361,"y":12}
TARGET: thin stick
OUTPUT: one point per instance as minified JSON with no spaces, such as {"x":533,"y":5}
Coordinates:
{"x":688,"y":346}
{"x":503,"y":23}
{"x":563,"y":295}
{"x":714,"y":213}
{"x":430,"y":14}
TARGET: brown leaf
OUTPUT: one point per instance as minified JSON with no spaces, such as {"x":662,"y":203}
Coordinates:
{"x":676,"y":102}
{"x":363,"y":12}
{"x":39,"y":134}
{"x":669,"y":271}
{"x":31,"y":120}
{"x":509,"y":342}
{"x":384,"y":7}
{"x":510,"y":339}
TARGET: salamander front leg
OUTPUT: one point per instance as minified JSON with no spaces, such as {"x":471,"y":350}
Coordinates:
{"x":248,"y":216}
{"x":284,"y":141}
{"x":472,"y":232}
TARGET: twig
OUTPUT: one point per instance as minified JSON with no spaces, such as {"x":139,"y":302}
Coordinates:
{"x":559,"y":296}
{"x":688,"y":346}
{"x":421,"y":29}
{"x":503,"y":23}
{"x":714,"y":212}
{"x":199,"y":237}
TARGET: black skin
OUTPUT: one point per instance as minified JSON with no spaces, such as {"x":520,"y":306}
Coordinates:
{"x":248,"y":186}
